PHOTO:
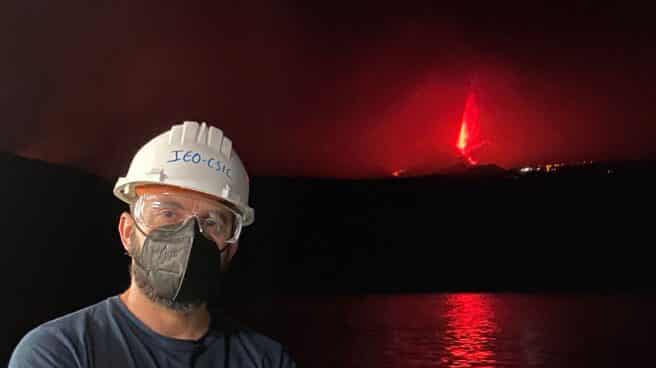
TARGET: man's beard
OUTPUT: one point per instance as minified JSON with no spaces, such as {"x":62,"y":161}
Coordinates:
{"x":147,"y":289}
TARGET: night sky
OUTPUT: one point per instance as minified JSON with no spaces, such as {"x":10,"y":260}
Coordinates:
{"x":351,"y":90}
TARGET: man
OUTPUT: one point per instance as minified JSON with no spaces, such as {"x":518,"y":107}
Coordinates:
{"x":188,"y":196}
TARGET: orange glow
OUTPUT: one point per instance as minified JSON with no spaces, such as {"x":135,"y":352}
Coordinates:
{"x":469,"y":138}
{"x":464,"y":135}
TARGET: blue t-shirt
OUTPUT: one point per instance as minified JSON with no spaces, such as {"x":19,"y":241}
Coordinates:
{"x":107,"y":334}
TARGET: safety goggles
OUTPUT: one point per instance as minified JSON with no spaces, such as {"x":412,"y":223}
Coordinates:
{"x":169,"y":212}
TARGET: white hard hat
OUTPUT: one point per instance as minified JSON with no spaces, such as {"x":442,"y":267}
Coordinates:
{"x":190,"y":156}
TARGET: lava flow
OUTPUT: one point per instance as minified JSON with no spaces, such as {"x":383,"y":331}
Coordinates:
{"x":469,"y":138}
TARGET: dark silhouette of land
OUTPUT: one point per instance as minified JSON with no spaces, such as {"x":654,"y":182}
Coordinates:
{"x":585,"y":227}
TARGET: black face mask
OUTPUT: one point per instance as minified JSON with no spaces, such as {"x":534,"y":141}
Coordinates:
{"x":180,"y":266}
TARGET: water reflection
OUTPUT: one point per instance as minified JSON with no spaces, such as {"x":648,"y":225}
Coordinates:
{"x":471,"y":329}
{"x":468,"y":330}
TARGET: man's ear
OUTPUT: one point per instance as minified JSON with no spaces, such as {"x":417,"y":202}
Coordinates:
{"x":125,"y":229}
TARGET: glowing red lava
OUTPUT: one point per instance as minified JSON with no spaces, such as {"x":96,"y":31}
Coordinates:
{"x":469,"y":138}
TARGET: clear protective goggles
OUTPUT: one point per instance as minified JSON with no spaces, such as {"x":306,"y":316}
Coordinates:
{"x":170,"y":212}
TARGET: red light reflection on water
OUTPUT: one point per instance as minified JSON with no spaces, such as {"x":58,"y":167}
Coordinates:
{"x":471,"y":331}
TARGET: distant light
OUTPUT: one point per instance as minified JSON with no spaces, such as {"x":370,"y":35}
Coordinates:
{"x":398,"y":172}
{"x":526,"y":169}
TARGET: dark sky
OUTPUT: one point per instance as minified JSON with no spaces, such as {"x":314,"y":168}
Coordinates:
{"x":338,"y":90}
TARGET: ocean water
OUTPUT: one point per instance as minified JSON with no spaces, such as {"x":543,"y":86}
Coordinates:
{"x":468,"y":330}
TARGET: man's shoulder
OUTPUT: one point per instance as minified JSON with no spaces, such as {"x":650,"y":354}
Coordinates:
{"x":76,"y":321}
{"x":57,"y":340}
